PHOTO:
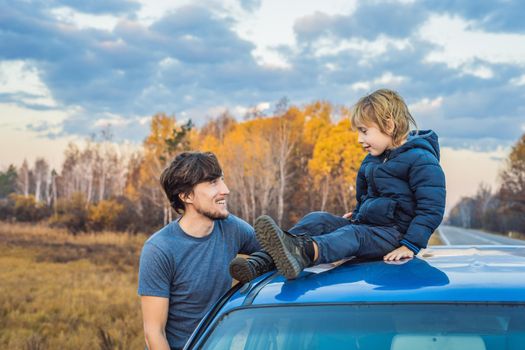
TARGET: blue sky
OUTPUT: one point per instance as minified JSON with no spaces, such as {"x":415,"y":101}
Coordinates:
{"x":70,"y":68}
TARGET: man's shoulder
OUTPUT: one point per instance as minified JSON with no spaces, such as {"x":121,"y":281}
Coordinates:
{"x":162,"y":236}
{"x":233,"y":220}
{"x":236,"y":223}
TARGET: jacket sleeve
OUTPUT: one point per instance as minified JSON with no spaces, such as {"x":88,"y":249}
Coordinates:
{"x":361,"y":188}
{"x":427,"y":181}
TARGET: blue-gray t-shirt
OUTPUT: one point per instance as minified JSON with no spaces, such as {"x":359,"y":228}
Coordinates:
{"x":192,"y":272}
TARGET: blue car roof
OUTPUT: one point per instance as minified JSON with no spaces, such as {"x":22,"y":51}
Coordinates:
{"x":438,"y":274}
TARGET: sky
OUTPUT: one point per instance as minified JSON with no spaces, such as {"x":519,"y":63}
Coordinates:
{"x":70,"y":68}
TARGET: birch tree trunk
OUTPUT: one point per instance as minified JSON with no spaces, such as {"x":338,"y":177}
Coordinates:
{"x":325,"y":188}
{"x":23,"y":179}
{"x":284,"y":153}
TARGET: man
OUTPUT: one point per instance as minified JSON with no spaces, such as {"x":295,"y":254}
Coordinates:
{"x":184,"y":266}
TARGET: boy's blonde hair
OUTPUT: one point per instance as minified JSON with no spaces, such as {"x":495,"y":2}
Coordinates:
{"x":383,"y":107}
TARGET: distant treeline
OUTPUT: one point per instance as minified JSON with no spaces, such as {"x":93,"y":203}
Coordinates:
{"x":502,"y":211}
{"x":297,"y":160}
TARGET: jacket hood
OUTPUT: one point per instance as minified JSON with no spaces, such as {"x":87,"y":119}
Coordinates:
{"x":425,"y":139}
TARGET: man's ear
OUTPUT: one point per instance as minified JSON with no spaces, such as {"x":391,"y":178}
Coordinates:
{"x":186,"y":198}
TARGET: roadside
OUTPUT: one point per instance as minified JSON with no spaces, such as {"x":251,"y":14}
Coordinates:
{"x":451,"y":235}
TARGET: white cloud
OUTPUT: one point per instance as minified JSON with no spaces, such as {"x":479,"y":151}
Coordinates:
{"x":361,"y":85}
{"x":263,"y":106}
{"x":152,"y":10}
{"x":144,"y":120}
{"x":460,"y":44}
{"x":333,"y":46}
{"x":520,"y":81}
{"x":270,"y":58}
{"x":240,"y":111}
{"x":280,"y":16}
{"x":426,"y":105}
{"x":84,"y":20}
{"x":482,"y":72}
{"x":272,"y":25}
{"x":387,"y":79}
{"x":21,"y":77}
{"x":113,"y":120}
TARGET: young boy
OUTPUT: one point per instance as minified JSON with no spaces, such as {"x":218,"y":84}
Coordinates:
{"x":400,"y":192}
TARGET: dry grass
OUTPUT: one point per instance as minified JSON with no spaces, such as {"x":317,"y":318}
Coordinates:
{"x":59,"y":291}
{"x":63,"y":292}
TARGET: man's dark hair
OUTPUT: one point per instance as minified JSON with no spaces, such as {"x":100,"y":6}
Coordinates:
{"x":185,"y":171}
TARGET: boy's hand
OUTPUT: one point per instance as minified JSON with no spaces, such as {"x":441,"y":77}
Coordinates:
{"x":398,"y":254}
{"x":347,"y":215}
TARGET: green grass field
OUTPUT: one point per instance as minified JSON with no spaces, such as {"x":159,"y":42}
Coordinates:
{"x":63,"y":292}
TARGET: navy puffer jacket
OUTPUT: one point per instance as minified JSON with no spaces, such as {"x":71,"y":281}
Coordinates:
{"x":403,"y":188}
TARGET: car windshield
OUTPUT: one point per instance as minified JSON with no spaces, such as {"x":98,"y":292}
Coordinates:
{"x":378,"y":326}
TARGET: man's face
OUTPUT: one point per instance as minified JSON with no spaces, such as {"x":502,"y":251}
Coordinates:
{"x":373,"y":140}
{"x":209,"y":199}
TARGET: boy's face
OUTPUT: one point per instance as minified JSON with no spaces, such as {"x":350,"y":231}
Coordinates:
{"x":373,"y":140}
{"x":209,"y":199}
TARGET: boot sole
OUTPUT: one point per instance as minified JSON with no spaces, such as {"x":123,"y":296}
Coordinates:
{"x":240,"y":270}
{"x":270,"y":237}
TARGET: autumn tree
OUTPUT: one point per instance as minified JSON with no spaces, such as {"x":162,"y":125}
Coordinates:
{"x":23,"y":179}
{"x":165,"y":140}
{"x":475,"y":211}
{"x":512,"y":192}
{"x":286,"y":147}
{"x":217,"y":128}
{"x":312,"y":119}
{"x":104,"y":215}
{"x":334,"y":165}
{"x":41,"y":175}
{"x":462,"y":213}
{"x":8,"y":181}
{"x":300,"y":159}
{"x":513,"y":176}
{"x":501,"y":211}
{"x":71,"y":213}
{"x":247,"y":162}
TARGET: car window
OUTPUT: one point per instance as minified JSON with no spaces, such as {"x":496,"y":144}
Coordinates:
{"x":378,"y":326}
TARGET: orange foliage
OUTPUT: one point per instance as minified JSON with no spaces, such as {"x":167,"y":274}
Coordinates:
{"x":104,"y":215}
{"x":335,"y":162}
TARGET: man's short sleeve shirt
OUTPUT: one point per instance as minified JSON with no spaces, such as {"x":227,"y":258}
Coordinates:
{"x":192,"y":272}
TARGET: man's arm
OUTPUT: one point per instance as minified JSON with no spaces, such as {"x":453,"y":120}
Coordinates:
{"x":155,"y":315}
{"x":155,"y":275}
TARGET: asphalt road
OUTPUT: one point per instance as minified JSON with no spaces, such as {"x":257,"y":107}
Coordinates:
{"x":455,"y":235}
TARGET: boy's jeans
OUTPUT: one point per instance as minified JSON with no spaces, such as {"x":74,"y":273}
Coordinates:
{"x":338,"y":238}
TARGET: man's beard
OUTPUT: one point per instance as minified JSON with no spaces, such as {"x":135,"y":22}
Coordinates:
{"x":212,"y":215}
